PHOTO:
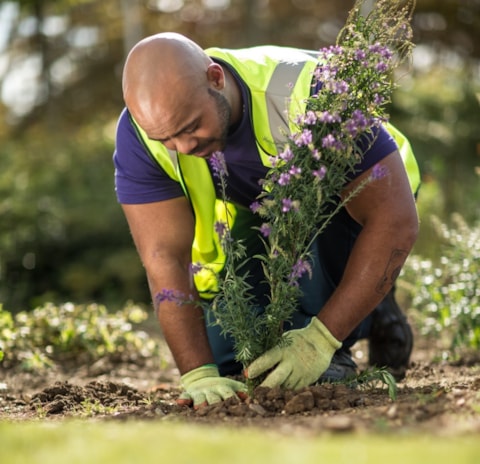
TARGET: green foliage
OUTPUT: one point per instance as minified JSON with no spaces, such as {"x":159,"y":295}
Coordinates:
{"x":376,"y":377}
{"x":92,"y":408}
{"x":233,"y":308}
{"x":62,"y":233}
{"x":72,"y":334}
{"x":439,"y":111}
{"x":446,"y":292}
{"x":372,"y":378}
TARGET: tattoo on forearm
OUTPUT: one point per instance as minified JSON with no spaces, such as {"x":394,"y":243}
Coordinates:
{"x":392,"y":270}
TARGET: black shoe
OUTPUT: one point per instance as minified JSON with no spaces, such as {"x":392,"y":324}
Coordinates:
{"x":342,"y":367}
{"x":391,"y":338}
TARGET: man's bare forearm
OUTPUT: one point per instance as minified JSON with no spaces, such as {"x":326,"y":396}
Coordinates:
{"x":369,"y":276}
{"x":385,"y":209}
{"x":183,"y":324}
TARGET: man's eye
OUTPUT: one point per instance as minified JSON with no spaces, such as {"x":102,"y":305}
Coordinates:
{"x":191,"y":129}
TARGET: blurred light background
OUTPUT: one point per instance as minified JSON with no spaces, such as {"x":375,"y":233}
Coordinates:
{"x":62,"y":234}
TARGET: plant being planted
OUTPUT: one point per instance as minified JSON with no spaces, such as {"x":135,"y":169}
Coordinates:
{"x":308,"y":175}
{"x":352,"y":86}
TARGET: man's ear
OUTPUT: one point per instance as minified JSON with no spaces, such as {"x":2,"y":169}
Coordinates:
{"x":216,"y":76}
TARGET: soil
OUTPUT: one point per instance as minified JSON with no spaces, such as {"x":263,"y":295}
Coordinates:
{"x":434,"y":397}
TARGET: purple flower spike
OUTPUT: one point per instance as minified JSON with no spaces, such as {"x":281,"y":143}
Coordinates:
{"x":299,"y":268}
{"x":320,"y":173}
{"x":255,"y":206}
{"x":304,"y":138}
{"x":273,"y":161}
{"x":218,"y":164}
{"x":378,"y":99}
{"x":378,"y":172}
{"x":286,"y":155}
{"x":284,"y":178}
{"x":328,"y":141}
{"x":328,"y":117}
{"x":358,"y":123}
{"x":359,"y":55}
{"x":221,"y":229}
{"x":286,"y":205}
{"x":338,"y":87}
{"x":381,"y":66}
{"x":310,"y":118}
{"x":265,"y":229}
{"x":168,"y":295}
{"x":295,"y":171}
{"x":195,"y":268}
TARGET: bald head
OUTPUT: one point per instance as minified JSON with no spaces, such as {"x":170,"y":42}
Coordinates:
{"x":159,"y":72}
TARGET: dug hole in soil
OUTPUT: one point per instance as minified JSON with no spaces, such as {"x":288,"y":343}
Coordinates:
{"x":434,"y":397}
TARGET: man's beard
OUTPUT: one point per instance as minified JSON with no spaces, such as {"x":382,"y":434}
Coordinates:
{"x":224,"y":115}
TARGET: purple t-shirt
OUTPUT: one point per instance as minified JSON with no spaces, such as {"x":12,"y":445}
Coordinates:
{"x":139,"y":179}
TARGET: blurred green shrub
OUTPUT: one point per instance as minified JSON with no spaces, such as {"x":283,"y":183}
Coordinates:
{"x":446,"y":292}
{"x":438,"y":109}
{"x":73,"y":334}
{"x":63,"y":236}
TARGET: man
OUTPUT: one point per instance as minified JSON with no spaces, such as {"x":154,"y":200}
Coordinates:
{"x":182,"y":105}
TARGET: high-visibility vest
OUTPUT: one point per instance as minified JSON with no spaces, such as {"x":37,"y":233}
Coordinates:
{"x":279,"y":82}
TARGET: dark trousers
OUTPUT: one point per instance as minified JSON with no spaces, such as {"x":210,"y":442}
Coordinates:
{"x":330,"y":253}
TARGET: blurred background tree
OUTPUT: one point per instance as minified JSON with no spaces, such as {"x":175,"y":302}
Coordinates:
{"x":62,"y":233}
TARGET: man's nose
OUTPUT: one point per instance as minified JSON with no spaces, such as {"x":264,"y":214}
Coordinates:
{"x":183,"y":144}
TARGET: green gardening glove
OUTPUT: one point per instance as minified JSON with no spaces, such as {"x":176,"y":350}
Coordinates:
{"x":204,"y":386}
{"x":298,"y":362}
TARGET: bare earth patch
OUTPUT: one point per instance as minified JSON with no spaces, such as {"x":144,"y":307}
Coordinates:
{"x":435,"y":398}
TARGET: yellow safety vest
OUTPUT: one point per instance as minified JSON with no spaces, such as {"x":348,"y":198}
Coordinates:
{"x":279,"y":82}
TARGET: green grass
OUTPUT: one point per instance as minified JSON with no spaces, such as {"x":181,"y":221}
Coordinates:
{"x":164,"y":443}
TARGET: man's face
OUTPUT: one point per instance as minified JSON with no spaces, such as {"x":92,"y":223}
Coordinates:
{"x":198,"y":127}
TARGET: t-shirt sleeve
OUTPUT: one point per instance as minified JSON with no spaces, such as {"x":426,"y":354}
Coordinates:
{"x":374,"y":146}
{"x":138,"y":178}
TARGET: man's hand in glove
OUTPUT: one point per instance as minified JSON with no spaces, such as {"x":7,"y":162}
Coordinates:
{"x":298,"y":362}
{"x":204,"y":386}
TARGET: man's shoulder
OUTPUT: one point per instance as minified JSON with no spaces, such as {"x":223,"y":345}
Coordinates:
{"x":126,"y":135}
{"x":126,"y":138}
{"x":258,"y":52}
{"x":124,"y":123}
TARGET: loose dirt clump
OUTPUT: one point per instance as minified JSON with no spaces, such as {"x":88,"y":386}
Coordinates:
{"x":439,"y":398}
{"x":64,"y":397}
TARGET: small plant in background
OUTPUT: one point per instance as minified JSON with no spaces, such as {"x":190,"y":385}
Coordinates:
{"x":92,"y":408}
{"x":72,"y":333}
{"x":446,"y":294}
{"x":375,"y":377}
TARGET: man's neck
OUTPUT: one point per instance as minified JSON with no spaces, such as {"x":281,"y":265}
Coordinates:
{"x":234,"y":96}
